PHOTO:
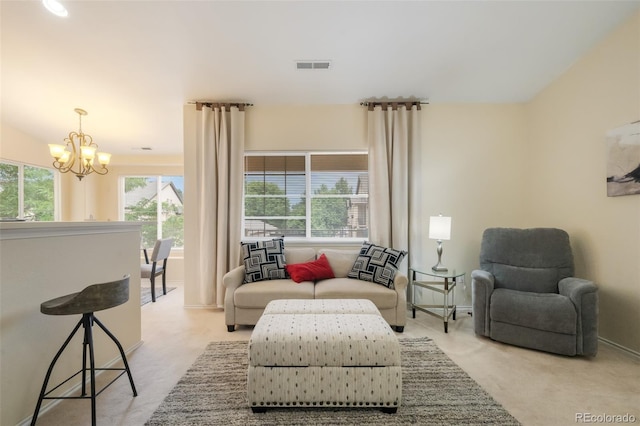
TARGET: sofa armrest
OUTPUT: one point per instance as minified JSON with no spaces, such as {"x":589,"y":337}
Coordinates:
{"x":231,"y":281}
{"x":482,"y":284}
{"x":234,"y":278}
{"x":584,"y":296}
{"x":400,"y":282}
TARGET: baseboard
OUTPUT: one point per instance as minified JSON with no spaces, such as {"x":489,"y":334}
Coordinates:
{"x":469,"y":310}
{"x":48,"y":406}
{"x":620,"y":347}
{"x":209,"y":307}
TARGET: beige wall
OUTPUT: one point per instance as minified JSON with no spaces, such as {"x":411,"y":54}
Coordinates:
{"x":567,"y":169}
{"x":471,"y":157}
{"x":536,"y":164}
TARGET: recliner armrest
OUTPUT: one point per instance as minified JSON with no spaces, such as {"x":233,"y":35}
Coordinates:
{"x":584,"y":296}
{"x":576,"y":288}
{"x":482,"y":284}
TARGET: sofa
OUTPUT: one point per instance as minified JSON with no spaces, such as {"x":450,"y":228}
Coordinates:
{"x":244,"y":303}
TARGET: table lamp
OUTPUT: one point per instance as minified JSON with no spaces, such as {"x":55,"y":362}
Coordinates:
{"x":439,"y":229}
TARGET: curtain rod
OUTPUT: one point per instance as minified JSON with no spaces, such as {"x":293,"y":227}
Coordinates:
{"x":394,"y":104}
{"x":240,"y":105}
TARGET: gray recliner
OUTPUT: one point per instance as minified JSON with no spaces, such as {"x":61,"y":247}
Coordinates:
{"x":525,"y":293}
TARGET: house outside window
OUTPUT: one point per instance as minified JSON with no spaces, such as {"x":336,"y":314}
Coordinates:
{"x":157,"y":202}
{"x":276,"y":202}
{"x":28,"y":192}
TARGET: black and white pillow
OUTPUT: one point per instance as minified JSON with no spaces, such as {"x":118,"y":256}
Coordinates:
{"x":377,"y":264}
{"x":264,"y":260}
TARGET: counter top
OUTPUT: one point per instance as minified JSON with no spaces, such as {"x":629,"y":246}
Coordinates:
{"x":21,"y":230}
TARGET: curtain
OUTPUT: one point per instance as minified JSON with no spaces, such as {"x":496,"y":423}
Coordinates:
{"x":219,"y":177}
{"x":393,"y":137}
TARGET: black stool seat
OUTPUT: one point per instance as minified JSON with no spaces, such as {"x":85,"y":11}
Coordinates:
{"x":96,"y":297}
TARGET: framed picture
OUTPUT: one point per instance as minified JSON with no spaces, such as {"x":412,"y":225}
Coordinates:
{"x":623,"y":160}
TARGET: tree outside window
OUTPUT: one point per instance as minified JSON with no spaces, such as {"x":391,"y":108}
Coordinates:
{"x":276,"y":200}
{"x":27,"y":192}
{"x":156,"y":202}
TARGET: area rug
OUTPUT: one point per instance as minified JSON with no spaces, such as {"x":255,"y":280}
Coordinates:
{"x":435,"y":391}
{"x":145,"y":294}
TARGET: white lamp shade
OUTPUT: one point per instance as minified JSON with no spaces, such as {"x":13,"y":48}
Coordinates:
{"x":440,"y":228}
{"x":104,"y":158}
{"x":56,"y":150}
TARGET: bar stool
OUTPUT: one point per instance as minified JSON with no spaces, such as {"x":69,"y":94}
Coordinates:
{"x":93,"y":298}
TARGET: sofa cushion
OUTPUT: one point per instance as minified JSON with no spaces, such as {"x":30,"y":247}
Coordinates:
{"x":263,"y":260}
{"x":536,"y":280}
{"x":377,"y":264}
{"x":540,"y":311}
{"x":349,"y":288}
{"x":299,"y":254}
{"x":310,"y":271}
{"x":341,"y":261}
{"x":257,"y":295}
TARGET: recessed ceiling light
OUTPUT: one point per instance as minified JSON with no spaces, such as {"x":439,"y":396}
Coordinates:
{"x":55,"y":7}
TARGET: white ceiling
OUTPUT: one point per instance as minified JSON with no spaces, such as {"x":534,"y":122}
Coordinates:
{"x":134,"y":64}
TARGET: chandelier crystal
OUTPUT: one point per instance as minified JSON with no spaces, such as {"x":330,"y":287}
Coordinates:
{"x":79,"y":151}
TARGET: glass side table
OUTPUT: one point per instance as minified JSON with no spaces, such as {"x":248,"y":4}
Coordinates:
{"x":423,"y":278}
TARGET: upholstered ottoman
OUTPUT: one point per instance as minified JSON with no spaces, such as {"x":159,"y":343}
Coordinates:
{"x":324,"y":358}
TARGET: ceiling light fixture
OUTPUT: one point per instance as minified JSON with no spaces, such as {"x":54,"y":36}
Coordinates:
{"x":67,"y":155}
{"x":55,"y":7}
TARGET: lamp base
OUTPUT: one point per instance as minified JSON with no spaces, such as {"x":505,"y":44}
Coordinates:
{"x":439,"y":268}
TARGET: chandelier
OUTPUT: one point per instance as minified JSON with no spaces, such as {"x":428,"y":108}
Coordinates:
{"x":79,"y":151}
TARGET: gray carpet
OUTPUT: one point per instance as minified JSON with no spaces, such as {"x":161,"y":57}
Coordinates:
{"x":435,"y":391}
{"x":145,"y":294}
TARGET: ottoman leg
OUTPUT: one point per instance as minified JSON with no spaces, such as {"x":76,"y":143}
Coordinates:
{"x":257,"y":410}
{"x":231,"y":328}
{"x":389,"y":410}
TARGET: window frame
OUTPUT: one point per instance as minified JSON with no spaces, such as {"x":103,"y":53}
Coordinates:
{"x":121,"y":201}
{"x":56,"y":187}
{"x":307,"y":239}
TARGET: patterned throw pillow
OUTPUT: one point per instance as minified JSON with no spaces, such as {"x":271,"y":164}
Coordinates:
{"x":377,"y":264}
{"x":264,"y":260}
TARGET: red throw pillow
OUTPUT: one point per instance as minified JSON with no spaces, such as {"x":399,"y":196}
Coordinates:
{"x":310,"y":271}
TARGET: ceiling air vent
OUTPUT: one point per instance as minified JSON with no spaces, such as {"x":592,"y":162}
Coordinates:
{"x":313,"y":65}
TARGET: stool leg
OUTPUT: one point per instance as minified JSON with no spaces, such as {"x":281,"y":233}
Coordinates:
{"x":84,"y":360}
{"x":124,"y":358}
{"x":88,"y":335}
{"x":49,"y":371}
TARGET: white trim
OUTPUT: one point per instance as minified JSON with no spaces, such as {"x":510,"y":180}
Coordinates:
{"x":207,"y":307}
{"x":21,"y":230}
{"x":620,"y":347}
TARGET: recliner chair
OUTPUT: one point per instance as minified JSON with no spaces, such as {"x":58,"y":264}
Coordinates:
{"x":525,"y":293}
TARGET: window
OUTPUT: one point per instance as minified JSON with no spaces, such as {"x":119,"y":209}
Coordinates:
{"x":276,"y":201}
{"x":164,"y":219}
{"x":27,"y":192}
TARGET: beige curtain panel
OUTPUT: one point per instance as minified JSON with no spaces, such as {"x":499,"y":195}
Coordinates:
{"x":393,"y":131}
{"x":220,"y":150}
